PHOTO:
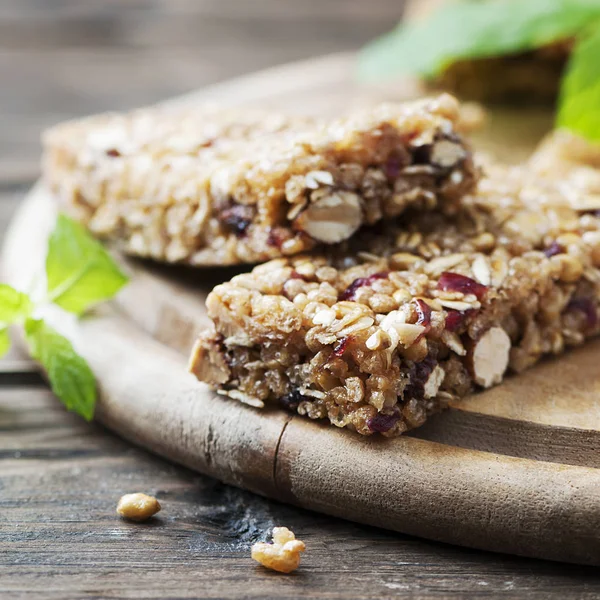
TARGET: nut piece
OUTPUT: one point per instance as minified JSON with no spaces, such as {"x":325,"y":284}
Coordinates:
{"x":332,"y":218}
{"x":315,"y":179}
{"x":137,"y":507}
{"x":283,"y":554}
{"x":489,"y":357}
{"x":208,"y":364}
{"x":446,"y":154}
{"x":434,"y":381}
{"x":571,"y":268}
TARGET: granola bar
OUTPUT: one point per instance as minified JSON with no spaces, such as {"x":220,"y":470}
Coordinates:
{"x":210,"y":186}
{"x":380,"y":334}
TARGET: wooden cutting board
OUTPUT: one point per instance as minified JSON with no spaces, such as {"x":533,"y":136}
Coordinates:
{"x":515,"y":469}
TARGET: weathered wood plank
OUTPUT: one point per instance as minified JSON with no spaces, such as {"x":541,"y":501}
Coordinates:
{"x":60,"y":479}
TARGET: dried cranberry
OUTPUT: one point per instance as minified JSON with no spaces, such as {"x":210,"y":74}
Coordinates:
{"x":237,"y":218}
{"x":454,"y":282}
{"x":381,"y":423}
{"x":113,"y":153}
{"x":291,"y":401}
{"x":418,"y":375}
{"x":277,"y":235}
{"x":348,"y":293}
{"x":341,"y":346}
{"x":295,"y":275}
{"x":553,"y":249}
{"x":424,"y":312}
{"x":587,"y":307}
{"x":456,"y":318}
{"x":393,"y":166}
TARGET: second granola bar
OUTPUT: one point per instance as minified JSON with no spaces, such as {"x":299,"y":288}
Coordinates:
{"x":215,"y":187}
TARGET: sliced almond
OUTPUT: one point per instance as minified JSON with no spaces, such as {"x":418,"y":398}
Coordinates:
{"x":315,"y":179}
{"x":434,"y":381}
{"x":446,"y":153}
{"x":481,"y":270}
{"x":488,"y":358}
{"x":208,"y":365}
{"x":408,"y":333}
{"x":444,"y":263}
{"x":333,"y":218}
{"x":242,"y":397}
{"x":453,"y":342}
{"x":586,"y":202}
{"x":403,"y":260}
{"x":458,"y":305}
{"x":325,"y":317}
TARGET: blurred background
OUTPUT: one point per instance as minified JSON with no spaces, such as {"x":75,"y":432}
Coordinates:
{"x":66,"y":58}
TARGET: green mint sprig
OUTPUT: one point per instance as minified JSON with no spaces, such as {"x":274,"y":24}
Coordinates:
{"x":469,"y":30}
{"x":579,"y":102}
{"x":80,"y":273}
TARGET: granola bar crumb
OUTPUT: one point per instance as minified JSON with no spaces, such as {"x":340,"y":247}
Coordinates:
{"x":137,"y":507}
{"x":283,"y":555}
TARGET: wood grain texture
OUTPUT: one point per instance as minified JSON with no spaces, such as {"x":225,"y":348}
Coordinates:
{"x":60,"y":538}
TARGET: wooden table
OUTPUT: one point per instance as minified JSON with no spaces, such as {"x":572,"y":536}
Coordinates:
{"x":60,"y":478}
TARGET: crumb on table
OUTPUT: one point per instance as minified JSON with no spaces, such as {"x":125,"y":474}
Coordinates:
{"x":283,"y":554}
{"x":138,"y":507}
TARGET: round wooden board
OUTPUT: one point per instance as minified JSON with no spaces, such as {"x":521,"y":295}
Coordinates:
{"x":515,"y":469}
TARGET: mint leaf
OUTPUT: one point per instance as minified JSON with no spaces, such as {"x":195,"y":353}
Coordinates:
{"x":4,"y":342}
{"x":471,"y":30}
{"x":71,"y":378}
{"x":80,"y":272}
{"x":13,"y":304}
{"x":579,"y":103}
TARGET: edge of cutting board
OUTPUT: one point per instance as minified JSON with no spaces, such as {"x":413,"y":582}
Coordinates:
{"x":416,"y":486}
